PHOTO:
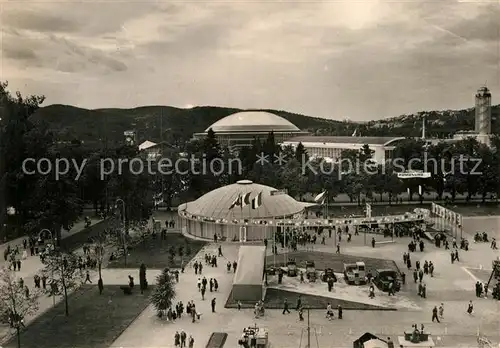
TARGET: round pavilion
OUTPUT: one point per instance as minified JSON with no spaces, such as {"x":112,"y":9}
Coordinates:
{"x":243,"y":128}
{"x":242,"y":211}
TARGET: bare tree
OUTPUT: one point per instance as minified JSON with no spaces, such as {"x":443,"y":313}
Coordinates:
{"x":98,"y":250}
{"x":63,"y":267}
{"x":16,"y":301}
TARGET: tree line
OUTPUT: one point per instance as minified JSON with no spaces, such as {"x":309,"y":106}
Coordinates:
{"x":43,"y":201}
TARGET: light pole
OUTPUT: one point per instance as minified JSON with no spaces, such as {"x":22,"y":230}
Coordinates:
{"x":54,"y":247}
{"x":124,"y":241}
{"x":11,"y":211}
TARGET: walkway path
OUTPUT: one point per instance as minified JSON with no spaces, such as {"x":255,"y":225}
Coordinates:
{"x":451,"y":285}
{"x":31,"y":266}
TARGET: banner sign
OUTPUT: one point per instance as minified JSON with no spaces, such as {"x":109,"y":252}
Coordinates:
{"x":414,"y":174}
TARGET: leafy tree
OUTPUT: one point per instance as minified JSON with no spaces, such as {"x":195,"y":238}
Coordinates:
{"x":164,"y":292}
{"x":63,"y":267}
{"x":20,"y":138}
{"x":41,"y":201}
{"x":16,"y":303}
{"x":300,"y":153}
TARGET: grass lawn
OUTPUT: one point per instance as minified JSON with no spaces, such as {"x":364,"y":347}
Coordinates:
{"x":155,"y":253}
{"x":95,"y":321}
{"x":336,"y":262}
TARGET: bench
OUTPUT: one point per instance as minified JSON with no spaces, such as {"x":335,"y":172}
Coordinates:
{"x":217,"y":340}
{"x":127,"y":290}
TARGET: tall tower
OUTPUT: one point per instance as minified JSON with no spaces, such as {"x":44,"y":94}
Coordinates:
{"x":483,"y":111}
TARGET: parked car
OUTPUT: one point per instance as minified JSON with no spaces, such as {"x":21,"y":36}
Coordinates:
{"x":383,"y":277}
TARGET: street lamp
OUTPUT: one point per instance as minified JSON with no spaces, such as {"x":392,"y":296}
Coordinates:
{"x":119,"y":200}
{"x":54,"y":248}
{"x":124,"y":241}
{"x":11,"y":212}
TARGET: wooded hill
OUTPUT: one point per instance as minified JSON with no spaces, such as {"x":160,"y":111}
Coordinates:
{"x":107,"y":125}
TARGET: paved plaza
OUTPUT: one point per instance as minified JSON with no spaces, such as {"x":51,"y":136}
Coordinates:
{"x":452,"y":285}
{"x":31,"y":266}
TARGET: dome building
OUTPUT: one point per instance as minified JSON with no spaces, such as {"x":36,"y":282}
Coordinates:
{"x":242,"y":211}
{"x":241,"y":128}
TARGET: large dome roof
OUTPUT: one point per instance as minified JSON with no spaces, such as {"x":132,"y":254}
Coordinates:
{"x":253,"y":121}
{"x":215,"y":204}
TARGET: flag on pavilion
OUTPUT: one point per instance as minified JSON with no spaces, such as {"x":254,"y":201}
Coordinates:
{"x":257,"y":201}
{"x":236,"y":202}
{"x":245,"y":199}
{"x":320,"y":198}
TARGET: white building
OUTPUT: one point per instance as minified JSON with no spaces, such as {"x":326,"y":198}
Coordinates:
{"x":241,"y":129}
{"x":331,"y":147}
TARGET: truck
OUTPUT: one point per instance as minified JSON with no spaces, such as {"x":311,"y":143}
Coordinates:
{"x":383,"y":277}
{"x":355,"y":273}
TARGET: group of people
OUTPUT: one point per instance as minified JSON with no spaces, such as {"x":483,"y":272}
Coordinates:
{"x":483,"y":237}
{"x":181,"y":340}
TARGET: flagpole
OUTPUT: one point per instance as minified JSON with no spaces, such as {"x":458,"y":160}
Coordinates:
{"x":284,"y":240}
{"x":241,"y":216}
{"x":327,"y":205}
{"x":274,"y":241}
{"x":249,"y":216}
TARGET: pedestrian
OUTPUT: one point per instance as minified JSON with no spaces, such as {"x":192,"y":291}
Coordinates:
{"x":177,"y":339}
{"x":183,"y":338}
{"x":285,"y":307}
{"x":191,"y":341}
{"x":470,"y":308}
{"x":340,"y":311}
{"x":299,"y":303}
{"x":44,"y":282}
{"x":435,"y":314}
{"x":213,"y":305}
{"x":373,"y":242}
{"x":87,"y":277}
{"x":441,"y":311}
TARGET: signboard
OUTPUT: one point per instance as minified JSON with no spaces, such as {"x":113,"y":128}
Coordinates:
{"x":414,"y":174}
{"x":129,"y":137}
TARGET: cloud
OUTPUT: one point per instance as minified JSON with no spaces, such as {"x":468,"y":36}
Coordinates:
{"x":36,"y":21}
{"x":320,"y":58}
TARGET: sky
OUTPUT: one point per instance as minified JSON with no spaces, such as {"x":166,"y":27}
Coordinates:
{"x":357,"y":60}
